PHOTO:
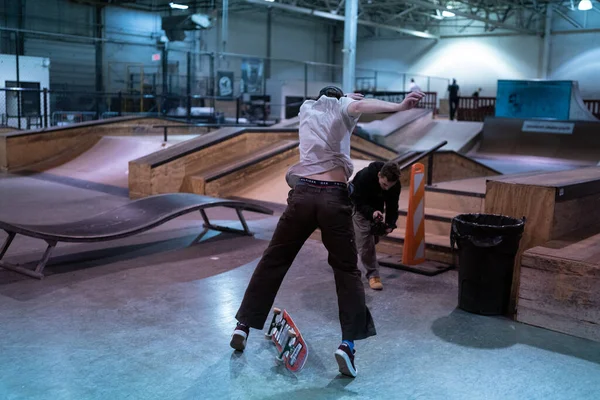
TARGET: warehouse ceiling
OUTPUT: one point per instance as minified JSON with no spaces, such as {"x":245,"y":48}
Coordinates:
{"x":425,"y":18}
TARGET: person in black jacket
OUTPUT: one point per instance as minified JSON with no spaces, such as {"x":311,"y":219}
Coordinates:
{"x":376,"y":191}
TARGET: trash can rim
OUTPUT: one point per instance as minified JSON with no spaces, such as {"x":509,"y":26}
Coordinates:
{"x":519,"y":221}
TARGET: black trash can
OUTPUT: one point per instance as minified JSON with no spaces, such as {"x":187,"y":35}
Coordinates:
{"x":487,"y":246}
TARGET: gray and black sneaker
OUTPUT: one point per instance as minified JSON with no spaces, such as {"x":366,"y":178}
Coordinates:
{"x":239,"y":337}
{"x":345,"y":359}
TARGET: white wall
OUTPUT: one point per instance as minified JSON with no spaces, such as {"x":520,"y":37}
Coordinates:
{"x":31,"y":69}
{"x":474,"y":62}
{"x":577,"y":57}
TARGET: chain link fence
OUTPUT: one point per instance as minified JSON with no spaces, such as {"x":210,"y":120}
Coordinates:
{"x":64,"y":78}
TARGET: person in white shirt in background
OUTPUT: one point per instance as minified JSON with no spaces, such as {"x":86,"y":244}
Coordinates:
{"x":413,"y":87}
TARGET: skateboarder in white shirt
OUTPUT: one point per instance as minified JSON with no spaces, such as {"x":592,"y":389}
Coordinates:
{"x":319,"y":199}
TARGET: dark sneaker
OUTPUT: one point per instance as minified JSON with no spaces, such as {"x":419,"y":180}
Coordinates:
{"x":239,"y":337}
{"x":345,"y":359}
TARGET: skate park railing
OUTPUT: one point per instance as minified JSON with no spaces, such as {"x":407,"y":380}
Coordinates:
{"x":478,"y":108}
{"x":127,"y":220}
{"x":475,"y":108}
{"x":208,"y":127}
{"x":419,"y":155}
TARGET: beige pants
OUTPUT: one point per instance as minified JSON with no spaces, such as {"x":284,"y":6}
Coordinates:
{"x":365,"y":244}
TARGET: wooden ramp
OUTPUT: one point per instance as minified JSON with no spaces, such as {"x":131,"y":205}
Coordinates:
{"x":505,"y":137}
{"x":230,"y":162}
{"x":416,"y":130}
{"x":41,"y":149}
{"x":560,"y":285}
{"x":554,"y":204}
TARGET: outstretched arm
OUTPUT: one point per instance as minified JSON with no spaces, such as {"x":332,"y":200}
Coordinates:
{"x":374,"y":106}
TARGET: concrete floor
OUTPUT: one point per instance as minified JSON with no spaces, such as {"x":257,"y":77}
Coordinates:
{"x":150,"y":317}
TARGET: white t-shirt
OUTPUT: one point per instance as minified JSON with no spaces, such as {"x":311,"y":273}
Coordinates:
{"x":413,"y":87}
{"x":325,"y":129}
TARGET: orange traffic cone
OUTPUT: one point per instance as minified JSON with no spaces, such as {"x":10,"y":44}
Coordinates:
{"x":414,"y":239}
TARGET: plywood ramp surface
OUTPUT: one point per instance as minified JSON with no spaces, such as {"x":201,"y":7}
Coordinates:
{"x":560,"y":285}
{"x":470,"y":185}
{"x":554,"y":179}
{"x":107,"y":162}
{"x":461,"y":136}
{"x":396,"y":121}
{"x":272,"y":187}
{"x":505,"y":136}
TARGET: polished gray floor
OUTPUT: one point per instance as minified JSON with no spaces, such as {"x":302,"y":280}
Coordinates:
{"x":150,"y":317}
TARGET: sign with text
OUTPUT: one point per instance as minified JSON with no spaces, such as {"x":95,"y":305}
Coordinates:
{"x":559,"y":128}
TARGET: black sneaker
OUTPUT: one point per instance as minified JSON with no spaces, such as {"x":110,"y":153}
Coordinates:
{"x":239,"y":337}
{"x":345,"y":359}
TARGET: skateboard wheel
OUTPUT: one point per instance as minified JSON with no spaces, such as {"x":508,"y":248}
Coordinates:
{"x":276,"y":311}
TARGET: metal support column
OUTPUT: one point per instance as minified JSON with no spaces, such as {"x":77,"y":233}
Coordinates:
{"x":224,"y":25}
{"x":189,"y":85}
{"x":350,"y":30}
{"x":165,"y":75}
{"x":99,"y":21}
{"x":267,"y":73}
{"x":305,"y":81}
{"x":17,"y":49}
{"x":546,"y":45}
{"x":45,"y":100}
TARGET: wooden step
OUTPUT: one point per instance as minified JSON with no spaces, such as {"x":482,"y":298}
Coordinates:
{"x":456,"y":201}
{"x":437,"y":222}
{"x":209,"y":180}
{"x":437,"y":247}
{"x":559,"y":283}
{"x":249,"y":159}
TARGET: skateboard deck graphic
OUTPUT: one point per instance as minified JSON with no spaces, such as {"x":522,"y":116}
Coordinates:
{"x":288,"y":340}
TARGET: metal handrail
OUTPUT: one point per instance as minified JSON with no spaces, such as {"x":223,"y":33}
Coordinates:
{"x":422,"y":155}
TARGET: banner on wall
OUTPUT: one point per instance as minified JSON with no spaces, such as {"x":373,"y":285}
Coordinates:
{"x":533,"y":99}
{"x":225,"y":84}
{"x":252,"y":75}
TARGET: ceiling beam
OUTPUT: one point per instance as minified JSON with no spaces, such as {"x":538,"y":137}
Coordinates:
{"x":498,"y":24}
{"x":327,"y":15}
{"x":567,"y":18}
{"x":410,"y":9}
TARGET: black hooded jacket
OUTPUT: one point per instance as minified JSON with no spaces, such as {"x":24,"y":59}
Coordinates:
{"x":368,"y":196}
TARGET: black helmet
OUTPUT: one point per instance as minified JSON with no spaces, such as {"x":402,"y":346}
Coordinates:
{"x":331,"y":91}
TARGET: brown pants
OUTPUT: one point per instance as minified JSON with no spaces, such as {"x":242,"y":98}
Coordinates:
{"x":365,"y":243}
{"x":312,"y":206}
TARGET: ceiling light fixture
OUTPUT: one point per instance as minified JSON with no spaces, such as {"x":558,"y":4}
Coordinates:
{"x":447,"y":13}
{"x":584,"y":5}
{"x":179,"y":6}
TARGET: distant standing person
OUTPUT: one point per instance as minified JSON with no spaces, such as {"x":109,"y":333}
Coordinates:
{"x":413,"y":87}
{"x":454,"y":91}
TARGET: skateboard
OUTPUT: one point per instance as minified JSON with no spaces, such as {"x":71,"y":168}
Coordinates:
{"x":288,"y":341}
